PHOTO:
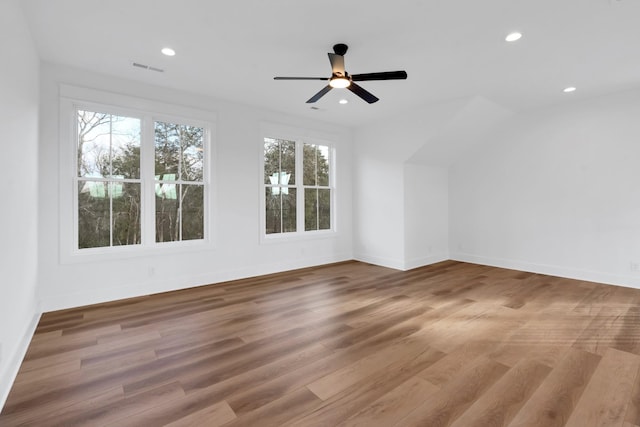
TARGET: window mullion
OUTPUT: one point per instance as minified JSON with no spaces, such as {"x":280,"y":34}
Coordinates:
{"x":281,"y":211}
{"x":300,"y":186}
{"x":179,"y":219}
{"x":317,"y":182}
{"x":317,"y":208}
{"x":147,"y":177}
{"x":109,"y":184}
{"x":179,"y":181}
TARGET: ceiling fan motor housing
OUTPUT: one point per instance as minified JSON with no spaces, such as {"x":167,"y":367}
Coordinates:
{"x":340,"y":49}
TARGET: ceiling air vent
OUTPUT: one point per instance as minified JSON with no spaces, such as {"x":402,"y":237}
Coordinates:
{"x":147,"y":67}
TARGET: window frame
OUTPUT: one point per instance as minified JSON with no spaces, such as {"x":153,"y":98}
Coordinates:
{"x":300,"y":137}
{"x":71,"y":100}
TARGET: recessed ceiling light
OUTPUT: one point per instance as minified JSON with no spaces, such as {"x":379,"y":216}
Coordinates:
{"x":343,"y":101}
{"x":168,"y":51}
{"x":513,"y":37}
{"x":569,"y":89}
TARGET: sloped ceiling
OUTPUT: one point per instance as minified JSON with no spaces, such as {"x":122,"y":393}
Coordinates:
{"x":450,"y":49}
{"x":464,"y":129}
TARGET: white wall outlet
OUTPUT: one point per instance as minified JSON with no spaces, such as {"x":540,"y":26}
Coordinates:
{"x":634,"y":266}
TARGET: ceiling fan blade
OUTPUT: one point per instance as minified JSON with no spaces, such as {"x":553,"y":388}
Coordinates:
{"x":337,"y":63}
{"x":320,"y":94}
{"x":387,"y":75}
{"x":301,"y":78}
{"x":362,"y":93}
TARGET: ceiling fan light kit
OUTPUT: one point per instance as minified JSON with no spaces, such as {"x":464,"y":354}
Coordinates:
{"x":339,"y":82}
{"x":341,"y":79}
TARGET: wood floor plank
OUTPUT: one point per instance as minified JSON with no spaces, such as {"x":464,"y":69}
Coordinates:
{"x":355,"y":398}
{"x":449,"y":366}
{"x":604,"y":402}
{"x":45,"y":372}
{"x":545,"y":338}
{"x":214,"y":415}
{"x":632,"y":415}
{"x":299,"y":377}
{"x":456,"y":396}
{"x":278,"y":412}
{"x":555,"y":399}
{"x":248,"y":381}
{"x":342,"y":344}
{"x":501,"y":403}
{"x":125,"y":407}
{"x":628,"y":336}
{"x":603,"y":330}
{"x":341,"y":379}
{"x":61,"y":412}
{"x":391,"y":407}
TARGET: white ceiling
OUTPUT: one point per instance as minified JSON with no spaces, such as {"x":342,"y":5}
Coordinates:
{"x":450,"y":48}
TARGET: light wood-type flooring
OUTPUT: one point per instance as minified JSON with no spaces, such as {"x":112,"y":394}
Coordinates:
{"x":347,"y":344}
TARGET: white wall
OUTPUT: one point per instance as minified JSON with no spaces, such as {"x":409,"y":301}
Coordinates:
{"x":237,"y":253}
{"x":555,"y":191}
{"x":19,"y":311}
{"x":378,"y":205}
{"x":401,"y":183}
{"x":378,"y":177}
{"x":426,"y":215}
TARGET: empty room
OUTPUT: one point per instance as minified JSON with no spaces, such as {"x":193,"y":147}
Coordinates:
{"x":285,"y":213}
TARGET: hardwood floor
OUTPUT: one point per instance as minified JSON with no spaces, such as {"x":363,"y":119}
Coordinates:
{"x":348,"y":344}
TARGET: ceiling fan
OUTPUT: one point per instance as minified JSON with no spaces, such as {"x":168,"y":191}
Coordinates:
{"x":341,"y":79}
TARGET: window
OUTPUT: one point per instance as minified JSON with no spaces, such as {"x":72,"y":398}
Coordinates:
{"x":108,"y":154}
{"x":297,"y":186}
{"x":280,"y":180}
{"x":119,"y":201}
{"x":179,"y":185}
{"x":317,"y":193}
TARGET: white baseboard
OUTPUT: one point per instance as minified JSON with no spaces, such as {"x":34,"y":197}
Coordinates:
{"x":10,"y":370}
{"x":158,"y":284}
{"x":421,"y":262}
{"x":551,"y":270}
{"x":397,"y":264}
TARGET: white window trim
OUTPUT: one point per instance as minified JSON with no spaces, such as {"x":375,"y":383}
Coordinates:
{"x":72,"y":98}
{"x":300,"y":136}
